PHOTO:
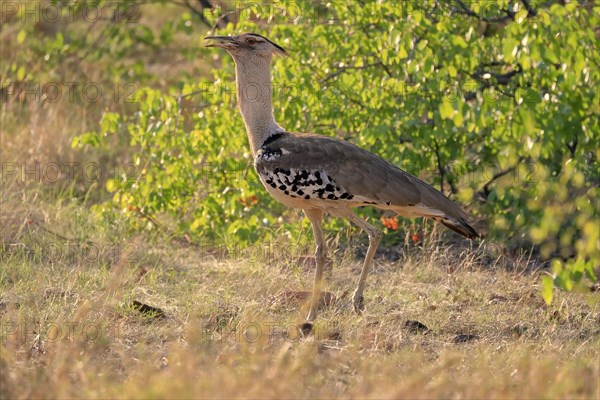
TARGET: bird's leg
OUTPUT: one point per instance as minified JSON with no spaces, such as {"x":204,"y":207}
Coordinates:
{"x":374,"y":239}
{"x":316,"y":216}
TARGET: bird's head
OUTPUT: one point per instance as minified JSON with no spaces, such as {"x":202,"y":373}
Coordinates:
{"x":246,"y":44}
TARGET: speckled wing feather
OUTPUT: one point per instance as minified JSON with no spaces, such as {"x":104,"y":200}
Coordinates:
{"x":365,"y":178}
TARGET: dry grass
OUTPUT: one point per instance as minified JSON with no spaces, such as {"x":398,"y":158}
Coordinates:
{"x":69,"y":330}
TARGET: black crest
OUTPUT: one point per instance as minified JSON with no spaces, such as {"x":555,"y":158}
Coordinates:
{"x":270,"y":41}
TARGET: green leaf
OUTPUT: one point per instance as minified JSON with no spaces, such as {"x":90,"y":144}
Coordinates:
{"x":549,"y":55}
{"x":452,"y":71}
{"x":520,"y":16}
{"x":458,"y":119}
{"x":402,"y":51}
{"x":446,"y":109}
{"x":459,"y":41}
{"x":21,"y":36}
{"x":528,"y":120}
{"x":509,"y":49}
{"x":92,"y":139}
{"x":547,"y":288}
{"x":111,"y":185}
{"x":110,"y":122}
{"x":21,"y":73}
{"x":59,"y":41}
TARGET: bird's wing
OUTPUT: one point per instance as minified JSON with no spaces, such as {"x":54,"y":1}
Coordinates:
{"x":364,"y":176}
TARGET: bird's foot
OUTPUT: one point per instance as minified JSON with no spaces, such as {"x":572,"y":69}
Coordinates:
{"x":305,"y":329}
{"x":358,"y":302}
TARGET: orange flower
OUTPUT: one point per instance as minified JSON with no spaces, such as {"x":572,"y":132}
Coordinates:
{"x":247,"y":201}
{"x":390,"y":222}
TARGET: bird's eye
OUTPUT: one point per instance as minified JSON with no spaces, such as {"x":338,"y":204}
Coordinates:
{"x":250,"y":41}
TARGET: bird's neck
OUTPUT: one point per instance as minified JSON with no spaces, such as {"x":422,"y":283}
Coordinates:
{"x":255,"y":99}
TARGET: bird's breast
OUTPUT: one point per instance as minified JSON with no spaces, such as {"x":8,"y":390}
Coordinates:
{"x":297,"y":187}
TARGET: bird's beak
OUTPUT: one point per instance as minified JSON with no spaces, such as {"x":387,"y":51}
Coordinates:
{"x":224,"y":42}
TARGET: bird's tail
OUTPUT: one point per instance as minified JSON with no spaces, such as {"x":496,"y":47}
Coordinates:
{"x":459,"y":225}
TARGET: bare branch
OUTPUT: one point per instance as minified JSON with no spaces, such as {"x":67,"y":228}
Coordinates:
{"x":467,"y":11}
{"x":195,"y":11}
{"x":485,"y":190}
{"x":440,"y":166}
{"x":531,"y":12}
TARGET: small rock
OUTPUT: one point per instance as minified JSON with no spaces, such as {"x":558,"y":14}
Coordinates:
{"x":497,"y":299}
{"x":147,"y":311}
{"x":519,"y":329}
{"x":164,"y":363}
{"x":374,"y":324}
{"x":305,"y":329}
{"x":416,"y":327}
{"x":335,"y":335}
{"x":555,"y":316}
{"x":463,"y":338}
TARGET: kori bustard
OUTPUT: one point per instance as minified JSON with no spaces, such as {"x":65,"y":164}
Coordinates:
{"x":321,"y":174}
